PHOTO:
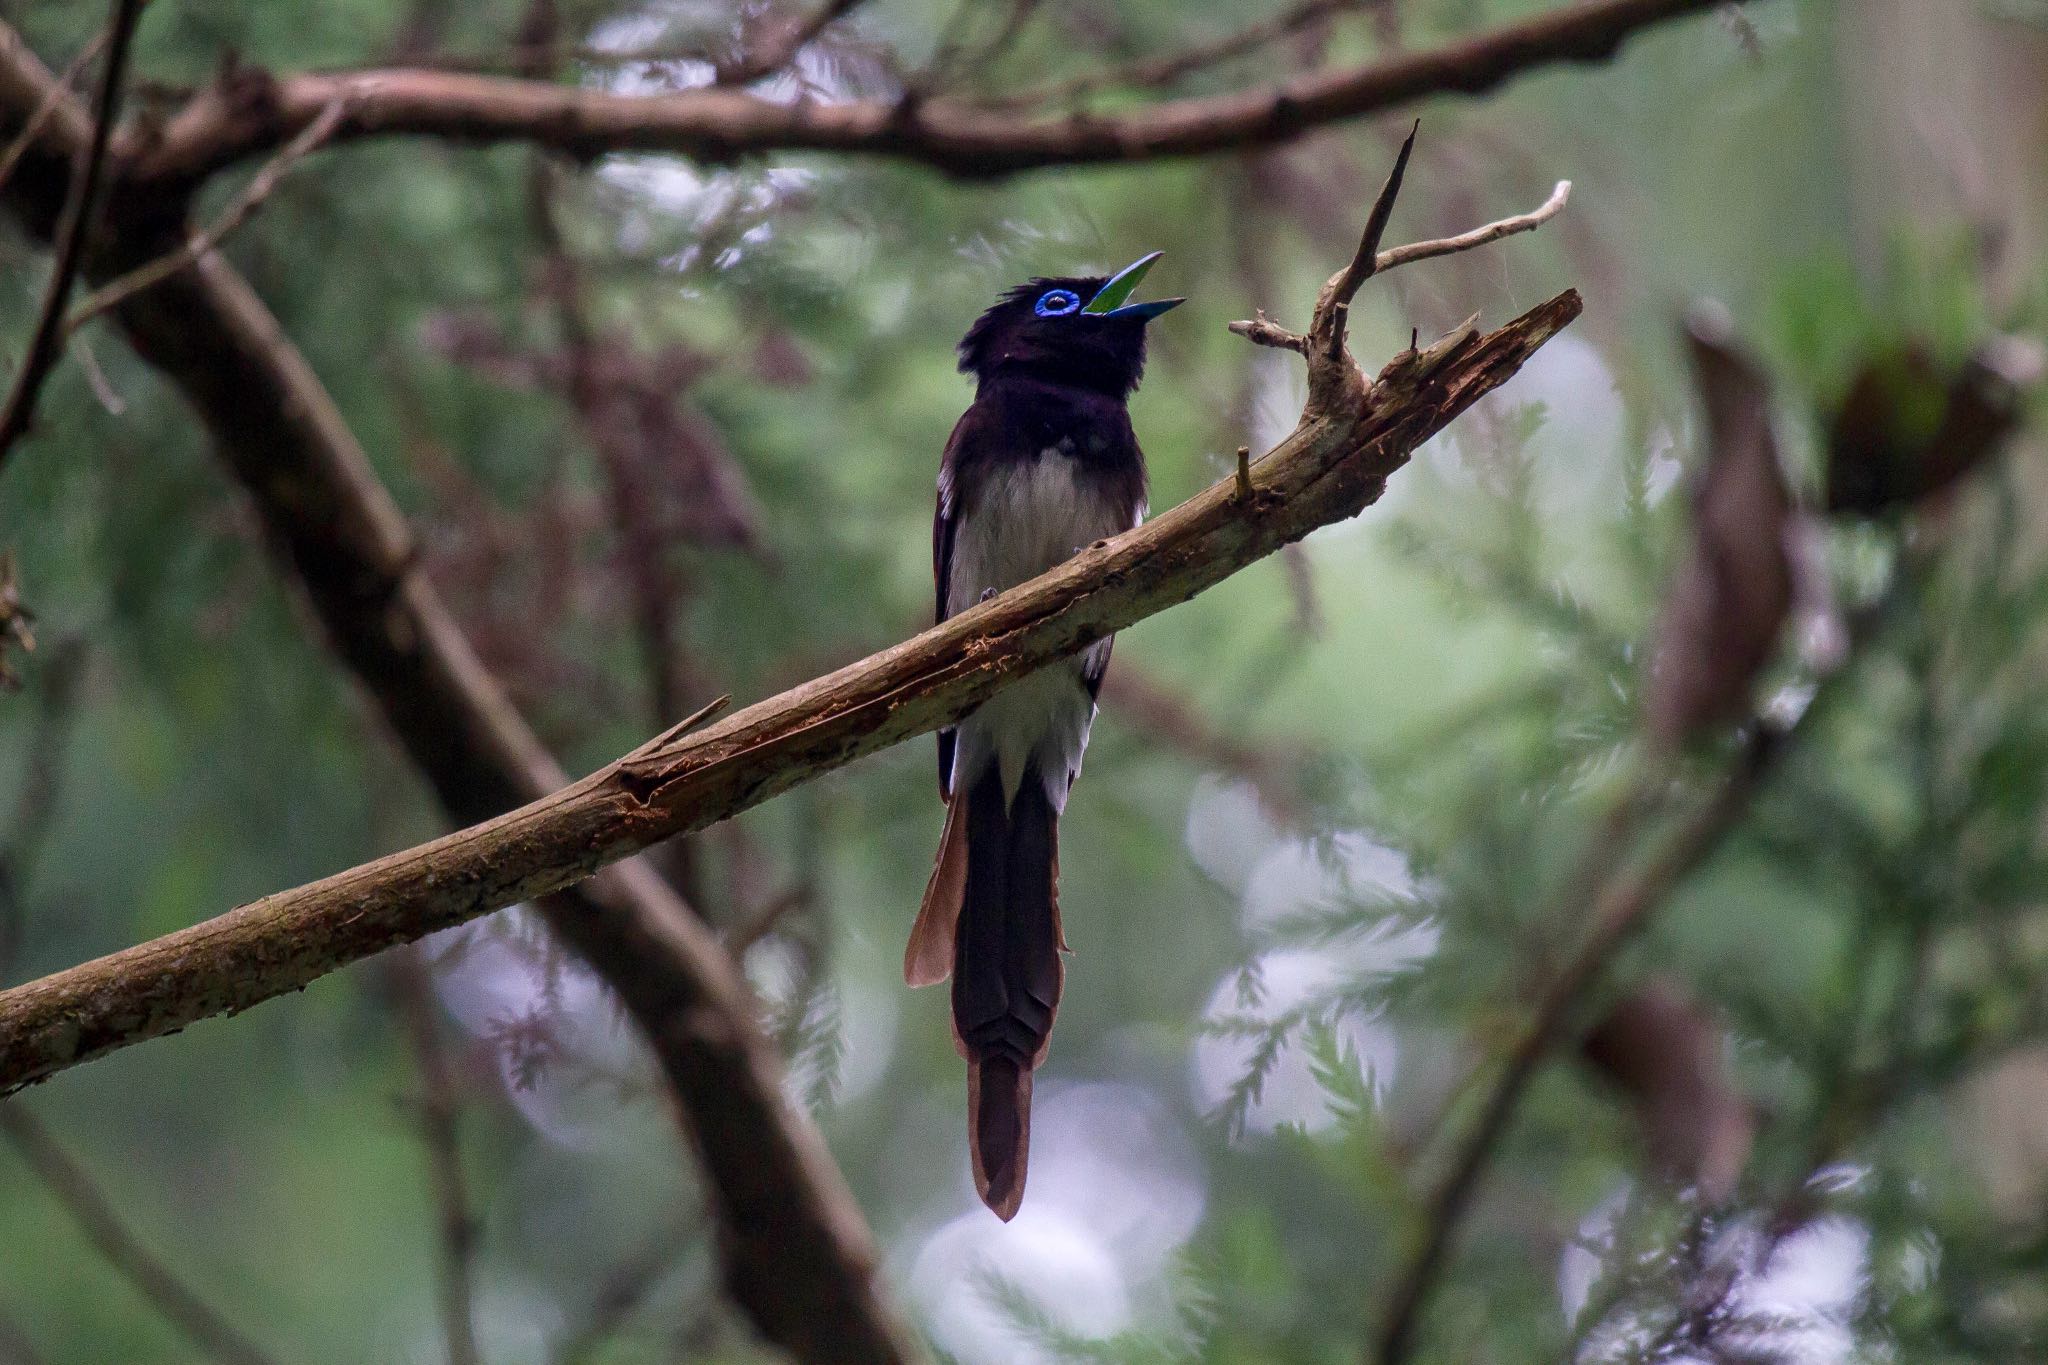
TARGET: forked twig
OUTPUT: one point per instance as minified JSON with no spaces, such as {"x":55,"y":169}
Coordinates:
{"x":1332,"y":375}
{"x":1325,"y":337}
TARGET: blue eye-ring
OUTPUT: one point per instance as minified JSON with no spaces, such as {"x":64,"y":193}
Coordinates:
{"x":1056,"y":303}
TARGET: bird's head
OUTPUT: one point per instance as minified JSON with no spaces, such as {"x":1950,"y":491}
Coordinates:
{"x":1080,"y":330}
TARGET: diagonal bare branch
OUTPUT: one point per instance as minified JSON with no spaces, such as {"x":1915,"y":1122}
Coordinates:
{"x":1625,"y":899}
{"x":1333,"y":306}
{"x":1335,"y":464}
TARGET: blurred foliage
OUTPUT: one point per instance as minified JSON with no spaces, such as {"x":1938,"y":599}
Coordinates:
{"x":1287,"y":975}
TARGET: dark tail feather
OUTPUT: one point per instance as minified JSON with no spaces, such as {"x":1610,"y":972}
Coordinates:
{"x":999,"y":1131}
{"x":1007,"y":974}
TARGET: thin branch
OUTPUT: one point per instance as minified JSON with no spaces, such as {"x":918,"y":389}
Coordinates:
{"x":1364,"y":262}
{"x":762,"y":922}
{"x":1335,"y":464}
{"x":220,"y":126}
{"x":101,"y":1223}
{"x":46,"y":343}
{"x":622,"y":1292}
{"x":613,"y":410}
{"x":438,"y":1110}
{"x":238,"y":211}
{"x":1492,"y":232}
{"x":768,"y":58}
{"x":36,"y":804}
{"x":47,"y":107}
{"x":1134,"y":700}
{"x":1163,"y":70}
{"x":955,"y":63}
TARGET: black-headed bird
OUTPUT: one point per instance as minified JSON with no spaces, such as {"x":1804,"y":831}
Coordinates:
{"x":1041,"y":465}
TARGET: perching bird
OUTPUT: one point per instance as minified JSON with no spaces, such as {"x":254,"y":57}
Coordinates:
{"x":1041,"y":465}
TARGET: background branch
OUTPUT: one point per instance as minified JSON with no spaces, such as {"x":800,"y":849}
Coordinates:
{"x":222,"y":125}
{"x":35,"y":805}
{"x":1623,"y":906}
{"x":81,"y":200}
{"x":435,"y":1112}
{"x":1164,"y":69}
{"x":96,"y":1216}
{"x":768,"y":57}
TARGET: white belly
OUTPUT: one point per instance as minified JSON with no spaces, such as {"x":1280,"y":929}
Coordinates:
{"x":1025,"y":520}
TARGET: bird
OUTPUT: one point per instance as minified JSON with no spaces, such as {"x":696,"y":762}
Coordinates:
{"x":1043,"y":463}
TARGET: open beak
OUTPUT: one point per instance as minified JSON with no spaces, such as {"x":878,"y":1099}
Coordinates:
{"x":1109,"y":300}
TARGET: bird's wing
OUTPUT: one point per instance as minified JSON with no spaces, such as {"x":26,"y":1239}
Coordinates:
{"x":1095,"y":662}
{"x":945,"y":525}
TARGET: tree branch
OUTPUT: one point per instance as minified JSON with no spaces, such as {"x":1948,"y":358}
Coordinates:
{"x":622,"y":1292}
{"x":1161,"y":716}
{"x":81,"y":200}
{"x":1370,"y":261}
{"x":251,"y":112}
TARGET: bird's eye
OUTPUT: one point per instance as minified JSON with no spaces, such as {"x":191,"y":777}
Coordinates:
{"x":1057,"y":303}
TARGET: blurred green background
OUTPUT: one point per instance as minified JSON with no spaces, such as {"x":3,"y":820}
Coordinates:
{"x":1332,"y":795}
